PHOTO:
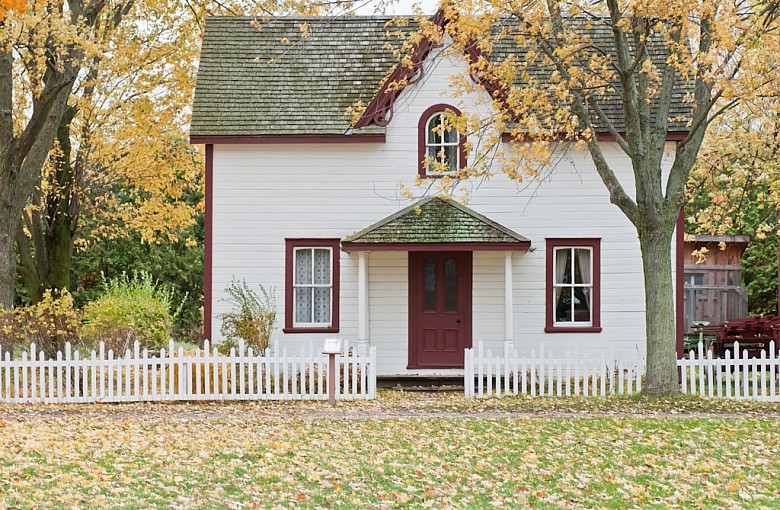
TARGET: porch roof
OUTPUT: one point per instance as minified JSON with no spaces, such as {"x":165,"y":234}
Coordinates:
{"x":435,"y":224}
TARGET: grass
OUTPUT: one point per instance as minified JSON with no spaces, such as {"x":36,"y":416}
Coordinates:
{"x":402,"y":451}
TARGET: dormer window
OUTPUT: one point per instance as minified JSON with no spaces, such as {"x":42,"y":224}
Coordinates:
{"x":442,"y":149}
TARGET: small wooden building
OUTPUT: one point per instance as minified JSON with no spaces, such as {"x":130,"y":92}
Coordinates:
{"x":713,"y":285}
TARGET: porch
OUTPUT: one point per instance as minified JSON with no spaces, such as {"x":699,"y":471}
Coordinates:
{"x":429,"y":278}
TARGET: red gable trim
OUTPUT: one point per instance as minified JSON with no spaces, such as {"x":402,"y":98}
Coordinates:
{"x":350,"y":247}
{"x":380,"y":110}
{"x":286,"y":139}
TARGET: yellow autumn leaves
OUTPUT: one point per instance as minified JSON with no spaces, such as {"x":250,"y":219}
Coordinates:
{"x":11,"y":5}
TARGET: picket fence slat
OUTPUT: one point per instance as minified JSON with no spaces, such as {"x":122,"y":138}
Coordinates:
{"x":546,"y":374}
{"x":734,"y":376}
{"x":174,"y":374}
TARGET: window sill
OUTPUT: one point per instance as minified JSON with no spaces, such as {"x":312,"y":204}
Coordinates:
{"x":438,"y":176}
{"x":310,"y":330}
{"x":572,"y":329}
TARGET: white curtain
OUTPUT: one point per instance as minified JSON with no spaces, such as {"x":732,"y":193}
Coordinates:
{"x":303,"y":267}
{"x":322,"y":294}
{"x":561,"y":257}
{"x":322,"y":266}
{"x":583,"y":261}
{"x":562,"y":309}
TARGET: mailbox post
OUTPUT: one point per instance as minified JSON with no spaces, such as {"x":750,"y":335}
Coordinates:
{"x":332,"y":347}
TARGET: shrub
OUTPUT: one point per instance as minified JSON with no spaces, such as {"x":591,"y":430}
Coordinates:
{"x":130,"y":309}
{"x":49,"y":324}
{"x":252,"y":319}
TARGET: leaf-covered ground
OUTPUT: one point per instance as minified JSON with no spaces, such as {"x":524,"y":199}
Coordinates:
{"x":401,"y":451}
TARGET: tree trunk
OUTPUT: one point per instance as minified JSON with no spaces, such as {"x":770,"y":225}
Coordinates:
{"x":661,"y":368}
{"x":60,"y":214}
{"x":59,"y":244}
{"x":9,"y":222}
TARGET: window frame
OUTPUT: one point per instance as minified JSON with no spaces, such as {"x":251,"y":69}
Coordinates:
{"x":553,"y":244}
{"x":291,"y":245}
{"x":422,"y":140}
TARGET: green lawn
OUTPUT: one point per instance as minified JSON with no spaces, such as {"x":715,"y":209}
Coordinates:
{"x":402,"y":451}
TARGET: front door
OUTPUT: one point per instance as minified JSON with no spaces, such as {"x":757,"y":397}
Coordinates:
{"x":439,"y":308}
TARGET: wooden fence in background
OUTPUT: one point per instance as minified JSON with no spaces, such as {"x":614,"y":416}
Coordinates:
{"x":171,"y":374}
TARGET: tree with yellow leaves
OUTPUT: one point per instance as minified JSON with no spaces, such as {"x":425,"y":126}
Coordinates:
{"x":93,"y":100}
{"x":43,"y":47}
{"x":120,"y":158}
{"x":618,"y":68}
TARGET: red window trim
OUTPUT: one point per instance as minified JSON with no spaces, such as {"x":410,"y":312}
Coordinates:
{"x":560,"y":242}
{"x":422,"y":170}
{"x":290,"y":245}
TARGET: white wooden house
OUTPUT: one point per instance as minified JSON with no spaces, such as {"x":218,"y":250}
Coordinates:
{"x":299,"y":200}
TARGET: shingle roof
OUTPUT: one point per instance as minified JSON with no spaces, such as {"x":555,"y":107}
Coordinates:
{"x":601,"y":42}
{"x":435,"y":220}
{"x":268,"y":80}
{"x":251,"y":82}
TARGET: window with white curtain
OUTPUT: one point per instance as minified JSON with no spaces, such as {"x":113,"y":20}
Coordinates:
{"x":573,"y":285}
{"x":313,"y":286}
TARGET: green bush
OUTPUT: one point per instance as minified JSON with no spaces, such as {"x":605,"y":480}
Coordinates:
{"x":130,"y":309}
{"x":252,"y":319}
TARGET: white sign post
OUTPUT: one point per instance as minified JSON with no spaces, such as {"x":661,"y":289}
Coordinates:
{"x":332,"y":347}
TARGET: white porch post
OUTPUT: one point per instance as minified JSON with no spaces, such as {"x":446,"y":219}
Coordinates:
{"x":363,"y":327}
{"x":509,"y":318}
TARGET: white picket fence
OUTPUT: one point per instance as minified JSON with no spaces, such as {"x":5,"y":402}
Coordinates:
{"x":734,"y":376}
{"x":548,"y":374}
{"x":172,"y":374}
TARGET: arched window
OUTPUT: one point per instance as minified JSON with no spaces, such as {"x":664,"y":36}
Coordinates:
{"x":442,"y":149}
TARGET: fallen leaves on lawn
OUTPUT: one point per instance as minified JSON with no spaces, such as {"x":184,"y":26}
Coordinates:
{"x":402,"y":451}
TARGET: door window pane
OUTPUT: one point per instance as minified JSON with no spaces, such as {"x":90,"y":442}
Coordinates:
{"x":451,"y":284}
{"x":429,"y":275}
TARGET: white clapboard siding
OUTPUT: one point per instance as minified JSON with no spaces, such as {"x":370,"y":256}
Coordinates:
{"x":202,"y":374}
{"x":547,"y":373}
{"x":734,"y":376}
{"x":265,"y":193}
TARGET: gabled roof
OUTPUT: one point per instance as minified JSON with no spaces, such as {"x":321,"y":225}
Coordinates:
{"x":431,"y":223}
{"x":266,"y":79}
{"x":263,"y":79}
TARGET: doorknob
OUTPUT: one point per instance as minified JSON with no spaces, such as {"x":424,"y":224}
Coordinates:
{"x":457,"y":321}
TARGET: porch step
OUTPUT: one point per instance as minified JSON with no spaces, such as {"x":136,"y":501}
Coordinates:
{"x":419,"y":383}
{"x":439,"y":388}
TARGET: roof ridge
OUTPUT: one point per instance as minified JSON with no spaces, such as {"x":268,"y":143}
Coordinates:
{"x":384,"y":221}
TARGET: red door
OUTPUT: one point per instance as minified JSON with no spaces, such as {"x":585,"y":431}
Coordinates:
{"x":439,"y":308}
